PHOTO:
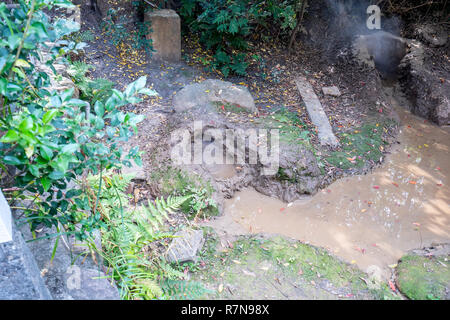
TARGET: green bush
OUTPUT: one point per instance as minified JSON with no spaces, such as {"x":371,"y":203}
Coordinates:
{"x":50,"y":137}
{"x":225,"y":26}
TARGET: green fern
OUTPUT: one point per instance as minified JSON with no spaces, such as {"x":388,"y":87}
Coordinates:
{"x":94,"y":90}
{"x":184,"y":290}
{"x":128,"y":232}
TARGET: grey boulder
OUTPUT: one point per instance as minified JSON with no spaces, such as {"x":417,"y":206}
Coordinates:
{"x":210,"y":91}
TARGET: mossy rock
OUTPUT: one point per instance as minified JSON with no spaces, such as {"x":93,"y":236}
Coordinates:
{"x":424,"y":278}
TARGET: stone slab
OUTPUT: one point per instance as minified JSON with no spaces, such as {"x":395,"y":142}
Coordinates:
{"x":316,"y":112}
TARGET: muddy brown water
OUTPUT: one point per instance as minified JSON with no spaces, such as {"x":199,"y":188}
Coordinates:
{"x":369,"y":220}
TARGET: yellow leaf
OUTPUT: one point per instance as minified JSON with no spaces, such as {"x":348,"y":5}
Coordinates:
{"x":29,"y":151}
{"x":22,"y":63}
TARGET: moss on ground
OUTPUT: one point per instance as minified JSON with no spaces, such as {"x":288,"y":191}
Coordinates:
{"x":292,"y":129}
{"x":359,"y":146}
{"x":424,"y":278}
{"x":256,"y":267}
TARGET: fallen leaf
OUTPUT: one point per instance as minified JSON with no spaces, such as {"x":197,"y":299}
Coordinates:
{"x":236,"y":261}
{"x":413,"y":182}
{"x":248,"y":273}
{"x":395,"y":184}
{"x":392,"y":286}
{"x":376,"y":187}
{"x":220,"y":288}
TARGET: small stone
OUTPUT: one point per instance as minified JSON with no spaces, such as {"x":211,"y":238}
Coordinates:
{"x":185,"y":245}
{"x":331,"y":91}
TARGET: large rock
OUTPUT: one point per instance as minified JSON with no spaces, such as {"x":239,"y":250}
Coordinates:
{"x":214,"y":91}
{"x":185,"y":245}
{"x":19,"y":274}
{"x":289,"y":176}
{"x":165,"y":34}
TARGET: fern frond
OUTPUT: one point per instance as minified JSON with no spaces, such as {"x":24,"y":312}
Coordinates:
{"x":184,"y":290}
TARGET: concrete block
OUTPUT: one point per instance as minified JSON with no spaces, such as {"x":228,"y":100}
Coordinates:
{"x":165,"y":34}
{"x":5,"y":220}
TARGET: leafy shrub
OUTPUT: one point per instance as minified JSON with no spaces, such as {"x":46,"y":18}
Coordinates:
{"x":225,"y":26}
{"x":47,"y":135}
{"x":114,"y":26}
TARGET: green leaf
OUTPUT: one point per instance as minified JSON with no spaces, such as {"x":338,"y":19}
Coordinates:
{"x":10,"y":136}
{"x":49,"y":115}
{"x":140,"y":83}
{"x":56,"y":175}
{"x":34,"y":169}
{"x":130,"y":90}
{"x":73,"y":193}
{"x":3,"y":86}
{"x":14,"y":40}
{"x":14,"y":161}
{"x":39,"y":28}
{"x":99,"y":108}
{"x":70,"y":148}
{"x":19,"y":72}
{"x":77,"y":103}
{"x":26,"y":124}
{"x":148,"y":92}
{"x":46,"y":153}
{"x":46,"y":183}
